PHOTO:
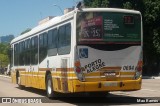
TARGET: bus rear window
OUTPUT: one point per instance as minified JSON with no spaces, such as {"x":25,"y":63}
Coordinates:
{"x":108,"y":27}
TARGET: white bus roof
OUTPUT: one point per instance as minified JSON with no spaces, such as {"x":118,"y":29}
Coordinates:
{"x":58,"y":19}
{"x":111,"y":10}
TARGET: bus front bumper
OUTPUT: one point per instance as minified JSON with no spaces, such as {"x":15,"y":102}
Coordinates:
{"x":124,"y":85}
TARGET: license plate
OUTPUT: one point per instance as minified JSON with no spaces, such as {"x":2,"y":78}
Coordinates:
{"x":108,"y":84}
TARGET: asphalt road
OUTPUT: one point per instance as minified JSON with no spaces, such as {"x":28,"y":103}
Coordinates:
{"x":150,"y":92}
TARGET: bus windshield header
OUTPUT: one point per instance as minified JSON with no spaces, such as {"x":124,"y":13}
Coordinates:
{"x":108,"y":27}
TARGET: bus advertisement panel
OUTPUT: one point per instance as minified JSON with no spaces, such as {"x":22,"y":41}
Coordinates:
{"x":109,"y":27}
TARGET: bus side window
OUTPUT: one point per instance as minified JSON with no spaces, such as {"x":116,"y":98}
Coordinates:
{"x":21,"y":53}
{"x":27,"y":52}
{"x":52,"y":42}
{"x":43,"y":46}
{"x":11,"y":56}
{"x":64,"y":40}
{"x":68,"y":35}
{"x":45,"y":40}
{"x":16,"y":55}
{"x":50,"y":37}
{"x":34,"y":50}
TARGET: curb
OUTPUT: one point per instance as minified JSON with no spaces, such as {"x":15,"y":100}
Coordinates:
{"x":5,"y":76}
{"x":150,"y":77}
{"x":156,"y":77}
{"x":147,"y":77}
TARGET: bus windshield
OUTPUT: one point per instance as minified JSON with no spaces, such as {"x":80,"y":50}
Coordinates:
{"x":108,"y":27}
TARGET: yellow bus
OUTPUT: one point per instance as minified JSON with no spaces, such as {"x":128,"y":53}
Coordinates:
{"x":85,"y":50}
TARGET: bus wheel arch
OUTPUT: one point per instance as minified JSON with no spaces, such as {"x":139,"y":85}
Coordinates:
{"x":47,"y":73}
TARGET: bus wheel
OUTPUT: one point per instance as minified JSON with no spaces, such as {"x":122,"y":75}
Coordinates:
{"x":49,"y":86}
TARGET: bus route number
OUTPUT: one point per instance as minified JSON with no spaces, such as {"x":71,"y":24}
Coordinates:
{"x":129,"y":68}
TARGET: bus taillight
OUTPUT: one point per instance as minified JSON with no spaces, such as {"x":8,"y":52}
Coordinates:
{"x":139,"y":68}
{"x":138,"y":72}
{"x":78,"y":71}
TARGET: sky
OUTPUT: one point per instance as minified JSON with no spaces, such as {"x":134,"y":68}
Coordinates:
{"x":18,"y":15}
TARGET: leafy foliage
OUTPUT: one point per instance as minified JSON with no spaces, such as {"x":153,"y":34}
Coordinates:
{"x":96,"y":3}
{"x":4,"y":60}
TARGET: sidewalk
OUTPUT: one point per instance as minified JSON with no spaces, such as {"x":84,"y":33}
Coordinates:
{"x":5,"y":76}
{"x":157,"y":77}
{"x":150,"y":77}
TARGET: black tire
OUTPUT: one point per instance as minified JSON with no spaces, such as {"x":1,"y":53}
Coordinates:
{"x":49,"y":87}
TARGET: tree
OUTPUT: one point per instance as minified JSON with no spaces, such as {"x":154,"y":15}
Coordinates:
{"x":128,"y":4}
{"x":96,"y":3}
{"x":151,"y":17}
{"x":7,"y":38}
{"x":4,"y":60}
{"x":4,"y":48}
